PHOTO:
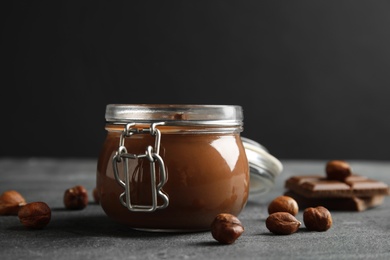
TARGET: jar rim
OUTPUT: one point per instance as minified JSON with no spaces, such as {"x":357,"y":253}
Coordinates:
{"x":228,"y":115}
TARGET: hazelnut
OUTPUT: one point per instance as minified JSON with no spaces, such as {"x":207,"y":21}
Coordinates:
{"x":35,"y":215}
{"x":283,"y":204}
{"x":96,"y":196}
{"x":76,"y":197}
{"x":282,"y":223}
{"x":10,"y":202}
{"x":337,"y":170}
{"x":226,"y":228}
{"x":317,"y":219}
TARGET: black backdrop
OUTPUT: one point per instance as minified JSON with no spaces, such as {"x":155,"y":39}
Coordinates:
{"x":312,"y":76}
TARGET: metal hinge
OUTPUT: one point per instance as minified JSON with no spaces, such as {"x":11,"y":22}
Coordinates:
{"x":151,"y":154}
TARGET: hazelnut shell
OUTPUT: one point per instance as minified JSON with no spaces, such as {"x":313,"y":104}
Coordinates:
{"x":76,"y":198}
{"x":317,"y":218}
{"x":226,"y":228}
{"x":35,"y":215}
{"x":282,"y":223}
{"x":337,"y":170}
{"x":283,"y":204}
{"x":10,"y":202}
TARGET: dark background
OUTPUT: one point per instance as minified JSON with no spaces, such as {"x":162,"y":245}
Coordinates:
{"x":312,"y":76}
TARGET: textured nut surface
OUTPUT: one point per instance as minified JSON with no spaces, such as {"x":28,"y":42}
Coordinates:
{"x":76,"y":197}
{"x":10,"y":202}
{"x":226,"y":228}
{"x":337,"y":170}
{"x":282,"y":223}
{"x":283,"y":204}
{"x":35,"y":215}
{"x":317,"y":219}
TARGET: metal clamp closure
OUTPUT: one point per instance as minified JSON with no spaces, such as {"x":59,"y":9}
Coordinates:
{"x":152,"y":154}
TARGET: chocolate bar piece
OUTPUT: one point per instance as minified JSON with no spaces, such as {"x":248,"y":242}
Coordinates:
{"x":316,"y":186}
{"x":337,"y":204}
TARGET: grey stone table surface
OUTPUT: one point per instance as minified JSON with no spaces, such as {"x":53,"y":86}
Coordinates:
{"x":89,"y":234}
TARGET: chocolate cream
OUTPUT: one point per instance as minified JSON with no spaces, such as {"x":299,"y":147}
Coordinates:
{"x":207,"y":174}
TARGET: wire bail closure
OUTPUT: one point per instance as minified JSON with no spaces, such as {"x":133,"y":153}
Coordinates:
{"x":152,"y":154}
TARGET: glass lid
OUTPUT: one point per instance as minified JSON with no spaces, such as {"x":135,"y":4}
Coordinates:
{"x":206,"y":114}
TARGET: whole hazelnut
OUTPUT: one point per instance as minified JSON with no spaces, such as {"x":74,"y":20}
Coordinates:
{"x":283,"y":204}
{"x":76,"y":197}
{"x":282,"y":223}
{"x":226,"y":228}
{"x":10,"y":202}
{"x":96,"y":196}
{"x":317,"y":219}
{"x":337,"y":170}
{"x":35,"y":215}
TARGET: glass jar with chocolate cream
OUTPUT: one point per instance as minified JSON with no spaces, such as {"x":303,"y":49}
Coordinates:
{"x":172,"y":167}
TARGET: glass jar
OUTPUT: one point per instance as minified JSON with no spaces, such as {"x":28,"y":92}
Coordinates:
{"x":172,"y":167}
{"x":264,"y":168}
